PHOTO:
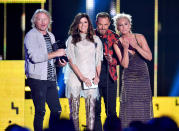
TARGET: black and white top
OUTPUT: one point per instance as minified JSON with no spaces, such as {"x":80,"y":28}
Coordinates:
{"x":51,"y":67}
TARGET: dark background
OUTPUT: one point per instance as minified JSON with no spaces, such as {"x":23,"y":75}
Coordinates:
{"x":142,"y":12}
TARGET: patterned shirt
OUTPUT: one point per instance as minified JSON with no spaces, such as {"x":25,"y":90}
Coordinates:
{"x":108,"y":40}
{"x":50,"y":68}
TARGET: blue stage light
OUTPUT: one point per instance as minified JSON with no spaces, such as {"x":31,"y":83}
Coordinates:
{"x":175,"y":86}
{"x":89,"y":4}
{"x":90,"y":10}
{"x":60,"y":82}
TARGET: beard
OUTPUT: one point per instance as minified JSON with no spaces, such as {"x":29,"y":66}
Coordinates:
{"x":102,"y":31}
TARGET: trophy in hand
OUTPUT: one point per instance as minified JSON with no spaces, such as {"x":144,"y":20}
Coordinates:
{"x":58,"y":45}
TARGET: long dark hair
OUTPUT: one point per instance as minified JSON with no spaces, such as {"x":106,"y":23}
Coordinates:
{"x":74,"y":31}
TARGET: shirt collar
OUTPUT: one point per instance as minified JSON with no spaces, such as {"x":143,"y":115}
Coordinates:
{"x":103,"y":36}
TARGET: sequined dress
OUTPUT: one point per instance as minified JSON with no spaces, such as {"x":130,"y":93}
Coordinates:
{"x":136,"y":96}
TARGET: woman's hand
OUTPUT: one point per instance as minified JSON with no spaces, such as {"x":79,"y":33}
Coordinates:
{"x":96,"y":80}
{"x":125,"y":44}
{"x":134,"y":45}
{"x":87,"y":81}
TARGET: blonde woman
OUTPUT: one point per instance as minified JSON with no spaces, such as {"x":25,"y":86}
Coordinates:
{"x":132,"y":52}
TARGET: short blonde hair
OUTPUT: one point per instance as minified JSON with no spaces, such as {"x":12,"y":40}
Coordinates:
{"x":118,"y":17}
{"x":41,"y":11}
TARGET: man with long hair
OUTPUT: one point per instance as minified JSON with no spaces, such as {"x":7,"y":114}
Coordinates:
{"x":40,"y":68}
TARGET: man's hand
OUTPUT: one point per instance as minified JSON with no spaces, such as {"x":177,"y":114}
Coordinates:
{"x":60,"y":52}
{"x":62,"y":63}
{"x":108,"y":57}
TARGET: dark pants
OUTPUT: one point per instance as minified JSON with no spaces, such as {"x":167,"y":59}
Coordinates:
{"x":107,"y":90}
{"x":44,"y":91}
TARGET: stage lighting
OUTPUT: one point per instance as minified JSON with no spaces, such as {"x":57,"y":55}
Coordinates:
{"x":89,"y":4}
{"x":22,"y":1}
{"x":175,"y":87}
{"x":112,"y":9}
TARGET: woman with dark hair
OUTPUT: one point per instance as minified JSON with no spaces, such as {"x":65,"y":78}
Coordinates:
{"x":84,"y":51}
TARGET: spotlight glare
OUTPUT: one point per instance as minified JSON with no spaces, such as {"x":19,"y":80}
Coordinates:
{"x":112,"y":9}
{"x":89,"y":4}
{"x":113,"y":12}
